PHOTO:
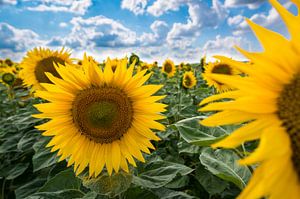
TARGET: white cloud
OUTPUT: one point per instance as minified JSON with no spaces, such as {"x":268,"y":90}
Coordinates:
{"x":63,"y":24}
{"x":271,"y":19}
{"x":98,"y":31}
{"x":157,"y":37}
{"x":17,"y":40}
{"x":159,"y":7}
{"x":75,"y":6}
{"x":251,"y":4}
{"x":135,"y":6}
{"x":201,"y":16}
{"x":225,"y":46}
{"x":8,"y":2}
{"x":235,"y":20}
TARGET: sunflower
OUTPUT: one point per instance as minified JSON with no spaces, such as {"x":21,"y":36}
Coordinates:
{"x":267,"y":101}
{"x":144,"y":66}
{"x":218,"y":68}
{"x":169,"y":68}
{"x":100,"y":117}
{"x":181,"y":66}
{"x":40,"y":60}
{"x":134,"y":59}
{"x":189,"y":80}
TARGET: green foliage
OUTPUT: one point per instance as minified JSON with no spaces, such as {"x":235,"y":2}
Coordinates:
{"x":182,"y":166}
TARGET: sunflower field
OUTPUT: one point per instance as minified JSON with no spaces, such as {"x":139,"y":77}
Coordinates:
{"x":123,"y":128}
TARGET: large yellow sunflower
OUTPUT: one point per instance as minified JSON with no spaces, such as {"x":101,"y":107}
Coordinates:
{"x":218,"y":68}
{"x":169,"y":68}
{"x":40,"y":60}
{"x":189,"y":80}
{"x":100,"y":118}
{"x":267,"y":101}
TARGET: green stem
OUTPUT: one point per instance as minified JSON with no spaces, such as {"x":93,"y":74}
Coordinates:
{"x":3,"y":188}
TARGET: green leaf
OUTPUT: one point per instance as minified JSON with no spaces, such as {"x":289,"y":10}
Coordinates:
{"x":223,"y":163}
{"x":159,"y":173}
{"x":17,"y":170}
{"x":193,"y":133}
{"x":212,"y":184}
{"x":62,"y":194}
{"x":107,"y":185}
{"x":63,"y":180}
{"x":29,"y":188}
{"x":184,"y":147}
{"x":42,"y":158}
{"x":178,"y":182}
{"x":27,"y":141}
{"x":138,"y":192}
{"x":163,"y":193}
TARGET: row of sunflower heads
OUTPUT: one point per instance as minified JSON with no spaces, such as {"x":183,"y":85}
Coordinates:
{"x":10,"y":74}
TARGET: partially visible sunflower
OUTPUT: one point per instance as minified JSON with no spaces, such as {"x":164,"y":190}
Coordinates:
{"x":100,"y":118}
{"x":218,"y":68}
{"x":189,"y":80}
{"x":134,"y":59}
{"x":41,"y":60}
{"x":155,"y":64}
{"x":169,"y":68}
{"x":180,"y":66}
{"x":144,"y":66}
{"x":267,"y":101}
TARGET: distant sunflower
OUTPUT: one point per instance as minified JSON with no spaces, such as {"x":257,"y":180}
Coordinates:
{"x":169,"y":68}
{"x":40,"y":60}
{"x":218,"y":68}
{"x":268,"y":100}
{"x":180,"y":66}
{"x":189,"y":80}
{"x":134,"y":59}
{"x":144,"y":66}
{"x":100,"y":118}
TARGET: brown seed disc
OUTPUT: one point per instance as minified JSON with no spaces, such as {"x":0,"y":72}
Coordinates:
{"x":168,"y":67}
{"x":289,"y":113}
{"x":46,"y":65}
{"x":187,"y":80}
{"x":222,"y":69}
{"x":103,"y":114}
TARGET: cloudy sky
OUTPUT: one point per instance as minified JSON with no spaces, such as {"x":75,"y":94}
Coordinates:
{"x":182,"y":30}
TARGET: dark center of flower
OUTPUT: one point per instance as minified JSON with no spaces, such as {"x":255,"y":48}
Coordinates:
{"x":8,"y":78}
{"x":168,"y":68}
{"x":9,"y":62}
{"x":46,"y":65}
{"x":102,"y":114}
{"x":187,"y":81}
{"x":222,"y":69}
{"x":289,"y":113}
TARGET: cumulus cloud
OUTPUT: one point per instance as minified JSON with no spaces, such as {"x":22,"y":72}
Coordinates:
{"x":17,"y":40}
{"x":73,"y":6}
{"x":251,"y":4}
{"x":270,"y":19}
{"x":8,"y":2}
{"x":159,"y":7}
{"x":98,"y":31}
{"x":182,"y":35}
{"x":63,"y":24}
{"x":157,"y":37}
{"x":135,"y":6}
{"x":225,"y":46}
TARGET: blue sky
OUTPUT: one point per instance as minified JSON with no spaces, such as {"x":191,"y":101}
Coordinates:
{"x":183,"y":30}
